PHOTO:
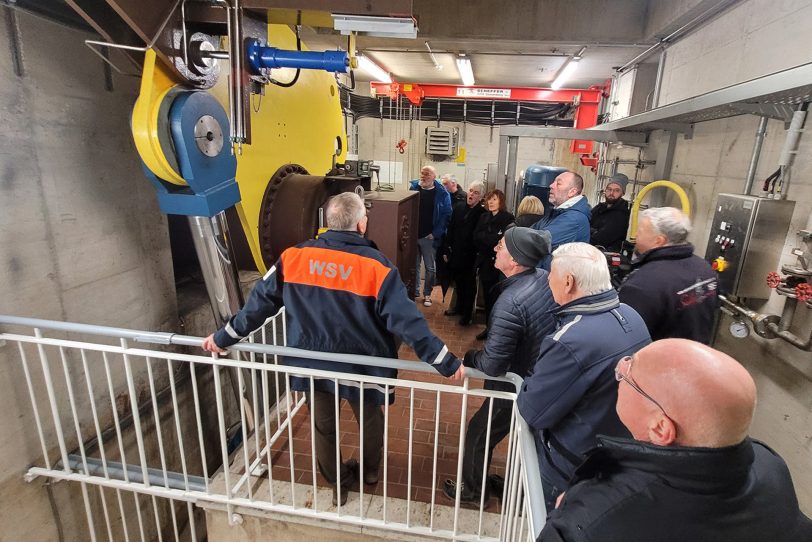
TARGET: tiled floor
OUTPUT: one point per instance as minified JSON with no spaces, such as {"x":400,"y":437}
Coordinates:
{"x":459,"y":340}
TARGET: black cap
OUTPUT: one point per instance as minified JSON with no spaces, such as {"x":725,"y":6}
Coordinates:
{"x":527,"y":246}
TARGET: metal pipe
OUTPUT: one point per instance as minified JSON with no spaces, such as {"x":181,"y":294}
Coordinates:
{"x":219,"y":55}
{"x":751,"y":171}
{"x":791,"y":147}
{"x":212,"y":244}
{"x":655,"y":100}
{"x":787,"y":314}
{"x":260,"y":57}
{"x":235,"y":52}
{"x":766,"y":325}
{"x":115,"y":470}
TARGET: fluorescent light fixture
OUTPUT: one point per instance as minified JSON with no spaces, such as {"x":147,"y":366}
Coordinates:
{"x":564,"y":74}
{"x":377,"y":73}
{"x":381,"y":27}
{"x":466,"y":71}
{"x":568,"y":69}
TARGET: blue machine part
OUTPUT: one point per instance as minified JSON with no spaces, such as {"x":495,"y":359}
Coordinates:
{"x":197,"y":124}
{"x":537,"y":181}
{"x":270,"y":57}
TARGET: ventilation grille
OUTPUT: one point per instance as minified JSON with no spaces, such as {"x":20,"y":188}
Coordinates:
{"x":441,"y":141}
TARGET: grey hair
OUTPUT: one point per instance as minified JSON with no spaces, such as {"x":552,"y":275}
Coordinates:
{"x":430,"y":168}
{"x":586,"y":264}
{"x":477,"y":184}
{"x":344,"y":211}
{"x":669,"y":222}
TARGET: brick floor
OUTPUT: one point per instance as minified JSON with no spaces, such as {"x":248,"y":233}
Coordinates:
{"x":459,"y":340}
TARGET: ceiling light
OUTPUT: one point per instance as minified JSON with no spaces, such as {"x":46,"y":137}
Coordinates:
{"x":565,"y":72}
{"x":466,"y":71}
{"x":569,"y":67}
{"x":377,"y":73}
{"x":382,"y":27}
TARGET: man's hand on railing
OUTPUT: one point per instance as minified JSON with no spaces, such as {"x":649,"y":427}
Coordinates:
{"x":460,"y":374}
{"x":210,"y":346}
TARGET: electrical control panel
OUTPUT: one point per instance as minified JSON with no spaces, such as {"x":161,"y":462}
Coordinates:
{"x":745,"y":242}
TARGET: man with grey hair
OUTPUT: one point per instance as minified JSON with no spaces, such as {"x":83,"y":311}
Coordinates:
{"x":569,"y":396}
{"x":458,"y":195}
{"x":341,"y":295}
{"x":432,"y":222}
{"x":459,"y":252}
{"x":674,"y":290}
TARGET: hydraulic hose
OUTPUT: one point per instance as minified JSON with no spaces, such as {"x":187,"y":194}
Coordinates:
{"x":683,"y":198}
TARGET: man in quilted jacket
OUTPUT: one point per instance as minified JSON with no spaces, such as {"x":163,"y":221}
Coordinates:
{"x":520,"y":319}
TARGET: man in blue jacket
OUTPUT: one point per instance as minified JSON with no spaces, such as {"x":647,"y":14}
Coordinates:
{"x":568,"y":222}
{"x":435,"y":212}
{"x":520,"y":320}
{"x":569,"y":397}
{"x":341,"y":295}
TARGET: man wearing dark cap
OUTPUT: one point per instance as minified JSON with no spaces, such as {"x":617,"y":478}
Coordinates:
{"x":520,"y":319}
{"x":610,"y":219}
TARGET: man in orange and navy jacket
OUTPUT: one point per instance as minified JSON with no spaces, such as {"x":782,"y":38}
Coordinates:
{"x":341,"y":295}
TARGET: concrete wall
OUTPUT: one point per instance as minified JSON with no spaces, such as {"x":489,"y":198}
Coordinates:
{"x":377,"y":142}
{"x":755,"y":38}
{"x":81,"y":237}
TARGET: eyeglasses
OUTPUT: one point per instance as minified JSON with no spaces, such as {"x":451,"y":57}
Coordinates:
{"x":626,"y":376}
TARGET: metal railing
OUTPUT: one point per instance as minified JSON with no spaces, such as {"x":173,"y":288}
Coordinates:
{"x":141,"y":420}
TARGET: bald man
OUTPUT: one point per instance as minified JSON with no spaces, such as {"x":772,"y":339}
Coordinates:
{"x":568,"y":222}
{"x":691,"y":472}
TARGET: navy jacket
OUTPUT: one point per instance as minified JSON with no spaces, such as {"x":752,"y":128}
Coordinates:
{"x":520,"y":319}
{"x":341,"y":295}
{"x":442,"y":211}
{"x":674,"y":291}
{"x":608,"y":225}
{"x":630,"y":491}
{"x":569,"y":397}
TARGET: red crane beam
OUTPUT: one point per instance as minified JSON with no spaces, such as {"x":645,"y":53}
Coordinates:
{"x":586,"y":101}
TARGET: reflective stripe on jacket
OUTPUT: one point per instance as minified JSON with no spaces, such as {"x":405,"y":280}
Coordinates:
{"x":341,"y":295}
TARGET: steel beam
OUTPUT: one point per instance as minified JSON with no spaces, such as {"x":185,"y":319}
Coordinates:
{"x":637,"y":139}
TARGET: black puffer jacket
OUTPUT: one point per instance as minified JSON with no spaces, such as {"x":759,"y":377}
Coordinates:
{"x":490,"y":228}
{"x":630,"y":491}
{"x":525,"y":221}
{"x":459,"y":239}
{"x":674,"y":291}
{"x":520,"y":319}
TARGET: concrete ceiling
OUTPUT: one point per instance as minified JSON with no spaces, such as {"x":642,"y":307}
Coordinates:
{"x":522,"y":42}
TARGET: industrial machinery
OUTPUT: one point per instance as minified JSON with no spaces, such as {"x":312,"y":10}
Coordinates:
{"x":742,"y":246}
{"x":537,"y":181}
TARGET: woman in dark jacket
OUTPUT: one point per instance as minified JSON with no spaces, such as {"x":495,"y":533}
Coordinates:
{"x":529,"y":212}
{"x":489,"y":230}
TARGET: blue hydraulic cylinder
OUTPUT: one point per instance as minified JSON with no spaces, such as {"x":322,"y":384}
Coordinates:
{"x":270,"y":57}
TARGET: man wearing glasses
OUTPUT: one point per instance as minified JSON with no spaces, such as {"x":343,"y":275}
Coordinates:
{"x":691,"y":472}
{"x":570,"y":393}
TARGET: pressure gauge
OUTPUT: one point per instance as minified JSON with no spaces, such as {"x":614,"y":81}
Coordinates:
{"x":739,"y":329}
